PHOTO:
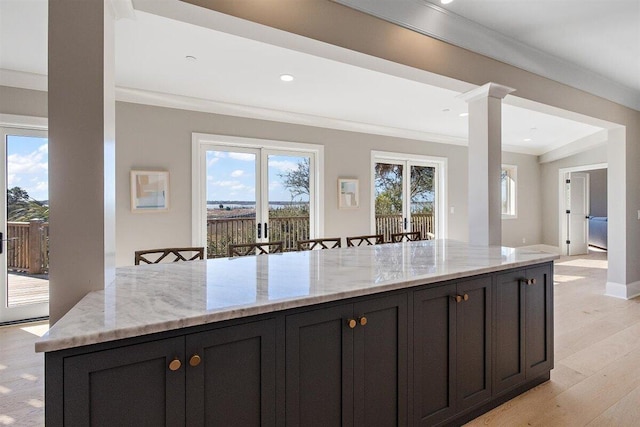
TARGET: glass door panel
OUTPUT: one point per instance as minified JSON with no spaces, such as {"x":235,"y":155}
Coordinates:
{"x":288,"y":207}
{"x":232,"y":198}
{"x":423,"y":200}
{"x":24,"y":254}
{"x":389,"y":199}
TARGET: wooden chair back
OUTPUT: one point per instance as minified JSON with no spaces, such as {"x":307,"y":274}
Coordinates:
{"x":409,"y":236}
{"x":374,"y":239}
{"x":244,"y":249}
{"x":329,"y":243}
{"x":155,"y":256}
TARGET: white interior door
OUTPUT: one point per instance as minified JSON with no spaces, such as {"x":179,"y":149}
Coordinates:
{"x":578,"y":216}
{"x":24,"y":229}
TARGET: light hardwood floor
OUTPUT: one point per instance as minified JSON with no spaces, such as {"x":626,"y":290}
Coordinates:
{"x":596,"y":380}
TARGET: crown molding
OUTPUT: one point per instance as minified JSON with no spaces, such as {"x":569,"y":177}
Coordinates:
{"x":553,"y":153}
{"x":487,"y":90}
{"x":23,"y":80}
{"x":216,"y":107}
{"x":436,"y":22}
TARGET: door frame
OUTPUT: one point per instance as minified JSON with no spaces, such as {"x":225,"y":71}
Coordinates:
{"x":18,"y":126}
{"x":562,"y":205}
{"x":440,"y":163}
{"x":200,"y":142}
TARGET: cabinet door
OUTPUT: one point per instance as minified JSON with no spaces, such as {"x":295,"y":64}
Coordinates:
{"x":233,"y":382}
{"x":434,"y":353}
{"x":319,"y":366}
{"x":473,"y":349}
{"x":509,"y":331}
{"x":538,"y":322}
{"x":126,"y":386}
{"x":380,"y":362}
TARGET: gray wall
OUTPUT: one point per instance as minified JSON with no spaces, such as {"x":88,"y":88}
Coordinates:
{"x":23,"y":102}
{"x":598,"y":192}
{"x":153,"y":137}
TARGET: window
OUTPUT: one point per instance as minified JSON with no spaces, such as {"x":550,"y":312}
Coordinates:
{"x":508,"y":184}
{"x":249,"y":190}
{"x":407,"y":194}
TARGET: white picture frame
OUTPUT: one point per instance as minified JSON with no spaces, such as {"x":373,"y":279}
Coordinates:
{"x":348,"y":193}
{"x":149,"y":191}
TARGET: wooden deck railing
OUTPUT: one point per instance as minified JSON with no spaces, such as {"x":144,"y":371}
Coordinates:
{"x":27,"y":246}
{"x":222,"y":232}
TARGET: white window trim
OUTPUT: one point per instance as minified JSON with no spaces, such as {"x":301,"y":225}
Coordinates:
{"x":199,"y":144}
{"x":514,"y":190}
{"x":441,"y":190}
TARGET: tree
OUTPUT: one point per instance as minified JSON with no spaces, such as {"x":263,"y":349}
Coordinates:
{"x":21,"y":207}
{"x":388,"y":183}
{"x":297,"y":180}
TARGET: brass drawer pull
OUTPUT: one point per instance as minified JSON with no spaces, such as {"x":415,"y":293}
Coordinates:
{"x":175,"y":364}
{"x":195,"y":360}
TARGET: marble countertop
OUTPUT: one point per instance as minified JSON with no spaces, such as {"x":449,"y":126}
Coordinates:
{"x":155,"y":298}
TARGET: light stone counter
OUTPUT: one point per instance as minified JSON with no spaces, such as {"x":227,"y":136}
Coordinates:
{"x":155,"y":298}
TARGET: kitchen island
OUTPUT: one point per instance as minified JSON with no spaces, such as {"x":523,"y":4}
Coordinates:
{"x":417,"y":333}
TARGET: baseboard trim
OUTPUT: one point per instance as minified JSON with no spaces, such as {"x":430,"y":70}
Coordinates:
{"x":618,"y":290}
{"x":544,"y":248}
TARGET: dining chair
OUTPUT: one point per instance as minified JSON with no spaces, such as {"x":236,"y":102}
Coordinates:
{"x":373,"y":239}
{"x":408,"y":236}
{"x":155,"y":256}
{"x":244,"y":249}
{"x":325,"y":243}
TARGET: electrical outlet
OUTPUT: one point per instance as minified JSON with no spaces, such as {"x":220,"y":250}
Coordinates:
{"x":524,"y":240}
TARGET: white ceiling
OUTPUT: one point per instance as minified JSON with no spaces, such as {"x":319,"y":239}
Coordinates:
{"x":599,"y":35}
{"x":241,"y":74}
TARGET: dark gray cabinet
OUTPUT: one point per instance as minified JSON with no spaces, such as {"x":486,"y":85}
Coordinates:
{"x":451,"y":350}
{"x":125,"y":386}
{"x":437,"y":354}
{"x":523,"y":326}
{"x":223,"y":377}
{"x":347,"y":365}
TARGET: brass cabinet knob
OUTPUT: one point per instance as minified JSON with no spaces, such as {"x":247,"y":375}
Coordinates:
{"x":465,"y":297}
{"x":458,"y":298}
{"x":175,"y":364}
{"x":195,"y":360}
{"x":362,"y":320}
{"x":529,"y":281}
{"x":351,"y":323}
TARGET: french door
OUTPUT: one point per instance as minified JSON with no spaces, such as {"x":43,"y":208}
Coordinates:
{"x":256,"y":195}
{"x":407,"y":196}
{"x":24,"y":230}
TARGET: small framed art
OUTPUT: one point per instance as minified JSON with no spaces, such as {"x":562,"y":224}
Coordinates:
{"x":149,"y":191}
{"x":348,"y":195}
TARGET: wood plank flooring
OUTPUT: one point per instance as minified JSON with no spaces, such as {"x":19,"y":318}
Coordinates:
{"x":596,"y":380}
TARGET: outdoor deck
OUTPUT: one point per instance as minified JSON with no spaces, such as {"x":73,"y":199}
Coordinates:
{"x":27,"y":289}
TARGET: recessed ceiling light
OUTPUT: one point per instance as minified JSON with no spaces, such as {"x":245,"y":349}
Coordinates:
{"x":286,"y":77}
{"x":463,"y":114}
{"x":445,"y":1}
{"x":527,"y":139}
{"x":190,"y":58}
{"x":446,"y":110}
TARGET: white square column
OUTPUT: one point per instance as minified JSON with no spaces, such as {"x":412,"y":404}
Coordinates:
{"x":81,"y":150}
{"x":485,"y":163}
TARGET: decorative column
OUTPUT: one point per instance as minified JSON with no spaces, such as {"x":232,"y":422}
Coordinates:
{"x":485,"y":163}
{"x":81,"y":150}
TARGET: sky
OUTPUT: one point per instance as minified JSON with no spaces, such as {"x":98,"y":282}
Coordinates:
{"x":28,"y":165}
{"x":232,"y":176}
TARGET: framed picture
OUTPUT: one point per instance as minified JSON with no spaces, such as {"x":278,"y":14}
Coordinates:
{"x":348,"y":195}
{"x":149,"y":191}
